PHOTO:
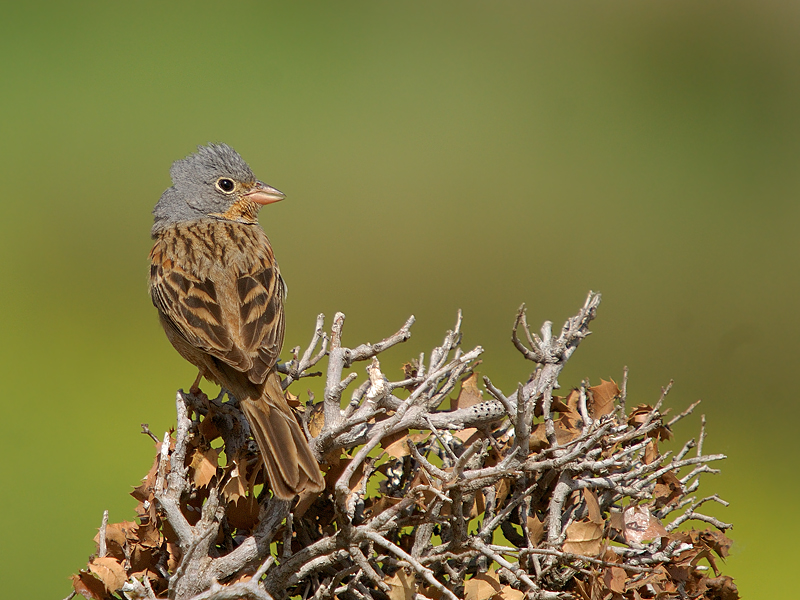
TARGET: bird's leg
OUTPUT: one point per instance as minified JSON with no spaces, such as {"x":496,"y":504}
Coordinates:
{"x":195,"y":389}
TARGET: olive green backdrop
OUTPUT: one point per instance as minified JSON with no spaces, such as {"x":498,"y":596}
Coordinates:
{"x":436,"y":156}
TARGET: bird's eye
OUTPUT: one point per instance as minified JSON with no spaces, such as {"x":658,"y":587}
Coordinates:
{"x":226,"y":185}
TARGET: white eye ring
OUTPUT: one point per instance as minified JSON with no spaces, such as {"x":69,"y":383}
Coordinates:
{"x":225,"y":185}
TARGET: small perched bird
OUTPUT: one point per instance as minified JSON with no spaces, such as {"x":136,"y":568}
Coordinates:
{"x":219,"y":295}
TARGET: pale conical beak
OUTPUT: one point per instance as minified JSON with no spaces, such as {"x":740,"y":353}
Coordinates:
{"x":264,"y":194}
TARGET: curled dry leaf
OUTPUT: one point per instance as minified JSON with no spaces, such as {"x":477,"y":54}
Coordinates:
{"x":641,"y":413}
{"x":470,"y":393}
{"x":316,"y":419}
{"x":204,"y":466}
{"x":614,"y":579}
{"x":468,"y":435}
{"x":89,"y":586}
{"x":396,"y":445}
{"x":592,"y":506}
{"x":508,"y":593}
{"x":603,"y":398}
{"x":722,"y":588}
{"x":651,"y":453}
{"x":118,"y":535}
{"x":482,"y":586}
{"x":668,"y":489}
{"x":641,"y":525}
{"x":207,"y":428}
{"x":402,"y":586}
{"x":584,"y":537}
{"x":535,"y":530}
{"x":109,"y":571}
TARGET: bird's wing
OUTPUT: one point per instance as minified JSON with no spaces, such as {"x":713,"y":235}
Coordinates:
{"x":232,"y":310}
{"x":259,"y":298}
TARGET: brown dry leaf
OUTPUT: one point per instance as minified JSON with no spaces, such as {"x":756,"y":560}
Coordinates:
{"x":603,"y":397}
{"x":538,"y":441}
{"x":157,"y":582}
{"x":429,"y":592}
{"x":717,"y":541}
{"x":144,"y":558}
{"x":478,"y":506}
{"x":424,"y":499}
{"x":640,"y":525}
{"x":395,"y":444}
{"x":234,"y":488}
{"x":88,"y":586}
{"x":381,"y":503}
{"x":564,"y":434}
{"x":399,"y":448}
{"x":658,"y":579}
{"x":337,"y":468}
{"x":584,"y":537}
{"x":410,"y":369}
{"x":147,"y":534}
{"x":173,"y":556}
{"x":503,"y":488}
{"x":304,"y":503}
{"x":482,"y":586}
{"x":237,"y":485}
{"x":469,"y":395}
{"x":723,"y":588}
{"x":639,"y":415}
{"x":466,"y":435}
{"x":109,"y":571}
{"x":357,"y":480}
{"x":117,"y":535}
{"x":571,"y":418}
{"x":337,"y":463}
{"x":403,"y":586}
{"x":592,"y":506}
{"x":204,"y":466}
{"x":668,"y":489}
{"x":557,"y":405}
{"x":535,"y":530}
{"x":616,"y":521}
{"x":704,"y":544}
{"x":243,"y":576}
{"x":651,"y":451}
{"x":614,"y":578}
{"x":689,"y":556}
{"x":208,"y":429}
{"x":508,"y":593}
{"x":144,"y":491}
{"x":294,"y":401}
{"x":243,"y":514}
{"x":316,"y":419}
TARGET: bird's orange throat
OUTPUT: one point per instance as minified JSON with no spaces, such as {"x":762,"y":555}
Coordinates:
{"x":242,"y":211}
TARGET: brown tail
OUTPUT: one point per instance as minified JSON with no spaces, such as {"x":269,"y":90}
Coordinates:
{"x":291,"y":466}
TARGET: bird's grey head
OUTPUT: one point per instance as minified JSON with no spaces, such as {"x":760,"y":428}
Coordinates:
{"x":214,"y":182}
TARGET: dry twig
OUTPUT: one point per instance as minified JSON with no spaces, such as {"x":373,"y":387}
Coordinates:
{"x":419,"y":495}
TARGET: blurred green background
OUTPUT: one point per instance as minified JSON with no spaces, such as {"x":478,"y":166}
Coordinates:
{"x":436,"y":156}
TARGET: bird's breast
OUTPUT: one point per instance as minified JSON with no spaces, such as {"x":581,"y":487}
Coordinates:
{"x":213,"y":248}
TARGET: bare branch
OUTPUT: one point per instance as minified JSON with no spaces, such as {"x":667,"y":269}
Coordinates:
{"x":417,"y":493}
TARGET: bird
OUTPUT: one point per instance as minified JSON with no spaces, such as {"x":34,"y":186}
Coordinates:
{"x":220,"y":299}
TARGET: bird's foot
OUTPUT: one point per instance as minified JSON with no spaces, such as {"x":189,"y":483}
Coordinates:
{"x":195,"y":388}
